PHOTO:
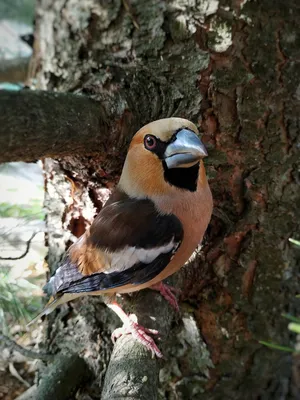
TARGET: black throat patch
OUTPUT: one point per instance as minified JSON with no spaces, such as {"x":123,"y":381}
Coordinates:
{"x":183,"y":178}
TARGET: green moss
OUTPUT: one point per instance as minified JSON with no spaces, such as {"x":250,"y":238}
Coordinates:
{"x":178,"y":28}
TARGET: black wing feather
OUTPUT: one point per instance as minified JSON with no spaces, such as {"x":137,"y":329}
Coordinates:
{"x":138,"y":274}
{"x":122,"y":222}
{"x":134,"y":223}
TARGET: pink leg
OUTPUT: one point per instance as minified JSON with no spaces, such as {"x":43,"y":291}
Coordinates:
{"x":130,"y":326}
{"x":168,"y":292}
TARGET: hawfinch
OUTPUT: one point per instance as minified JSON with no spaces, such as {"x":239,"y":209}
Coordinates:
{"x":149,"y":227}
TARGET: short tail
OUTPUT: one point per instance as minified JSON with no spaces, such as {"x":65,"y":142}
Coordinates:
{"x":53,"y":303}
{"x":50,"y":306}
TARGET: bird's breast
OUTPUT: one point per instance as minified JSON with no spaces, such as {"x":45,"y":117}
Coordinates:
{"x":194,"y":210}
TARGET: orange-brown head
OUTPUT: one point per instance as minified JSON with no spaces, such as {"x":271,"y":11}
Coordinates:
{"x":163,"y":156}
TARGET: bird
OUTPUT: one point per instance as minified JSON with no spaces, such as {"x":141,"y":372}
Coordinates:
{"x":149,"y":227}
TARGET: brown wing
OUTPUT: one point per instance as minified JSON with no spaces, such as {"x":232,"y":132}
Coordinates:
{"x":129,"y":242}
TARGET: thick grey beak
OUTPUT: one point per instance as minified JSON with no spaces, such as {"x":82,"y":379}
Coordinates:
{"x":185,"y":151}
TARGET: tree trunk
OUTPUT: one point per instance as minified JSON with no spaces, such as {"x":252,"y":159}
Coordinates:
{"x":233,"y":68}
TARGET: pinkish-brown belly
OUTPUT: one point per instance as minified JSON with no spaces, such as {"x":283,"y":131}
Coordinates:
{"x":194,"y":215}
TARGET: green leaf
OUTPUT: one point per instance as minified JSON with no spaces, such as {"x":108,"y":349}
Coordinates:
{"x":294,"y":327}
{"x":294,"y":241}
{"x":277,"y":346}
{"x":291,"y":318}
{"x":18,"y":303}
{"x":33,"y":210}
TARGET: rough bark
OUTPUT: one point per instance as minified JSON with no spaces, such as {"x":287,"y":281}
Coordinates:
{"x":37,"y":124}
{"x":232,"y":67}
{"x":132,"y":373}
{"x":62,"y":379}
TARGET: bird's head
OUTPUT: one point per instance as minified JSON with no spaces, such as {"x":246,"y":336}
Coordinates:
{"x":164,"y":154}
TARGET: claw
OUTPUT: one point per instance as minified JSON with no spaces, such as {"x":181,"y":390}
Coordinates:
{"x":138,"y":332}
{"x":168,"y":292}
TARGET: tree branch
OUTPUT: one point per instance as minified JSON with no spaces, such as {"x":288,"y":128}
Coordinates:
{"x":24,"y":254}
{"x":25,"y":352}
{"x":37,"y":124}
{"x":63,"y":377}
{"x":132,"y":373}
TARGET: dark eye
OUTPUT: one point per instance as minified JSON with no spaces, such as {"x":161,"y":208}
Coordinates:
{"x":150,"y":142}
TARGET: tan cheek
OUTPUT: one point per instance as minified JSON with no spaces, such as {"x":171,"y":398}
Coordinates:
{"x":202,"y":180}
{"x":147,"y":171}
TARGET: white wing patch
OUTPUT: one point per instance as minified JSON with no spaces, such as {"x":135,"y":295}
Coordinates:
{"x":129,"y":256}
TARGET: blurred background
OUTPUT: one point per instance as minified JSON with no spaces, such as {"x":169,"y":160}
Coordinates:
{"x":22,"y":248}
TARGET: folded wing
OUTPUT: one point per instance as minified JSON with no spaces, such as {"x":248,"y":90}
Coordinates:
{"x":129,"y":242}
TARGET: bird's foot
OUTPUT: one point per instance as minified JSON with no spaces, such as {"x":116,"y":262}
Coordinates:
{"x":139,"y":333}
{"x":168,"y":292}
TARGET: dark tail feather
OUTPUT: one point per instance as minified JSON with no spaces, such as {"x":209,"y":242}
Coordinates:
{"x":64,"y":276}
{"x":50,"y":306}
